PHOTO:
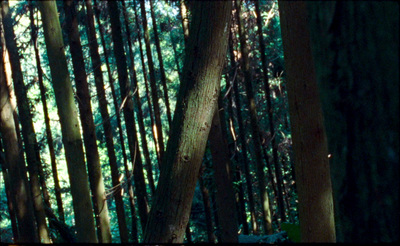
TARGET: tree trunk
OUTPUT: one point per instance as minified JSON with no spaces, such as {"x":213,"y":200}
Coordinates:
{"x":269,"y":111}
{"x":198,"y":96}
{"x":161,"y":63}
{"x":126,"y":95}
{"x":267,"y":223}
{"x":309,"y":140}
{"x":28,"y":132}
{"x":140,"y":115}
{"x":153,"y":86}
{"x":242,"y":138}
{"x":207,"y":210}
{"x":185,"y":21}
{"x":89,"y":134}
{"x":226,"y":205}
{"x":49,"y":136}
{"x":14,"y":164}
{"x":356,"y":54}
{"x":69,"y":123}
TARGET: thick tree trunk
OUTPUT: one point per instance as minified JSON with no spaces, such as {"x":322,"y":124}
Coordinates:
{"x":14,"y":164}
{"x":356,"y":54}
{"x":309,"y":140}
{"x":28,"y":132}
{"x":198,"y":98}
{"x":267,"y":222}
{"x":126,"y":95}
{"x":69,"y":123}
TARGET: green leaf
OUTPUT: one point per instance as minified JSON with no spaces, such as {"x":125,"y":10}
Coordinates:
{"x":293,"y":231}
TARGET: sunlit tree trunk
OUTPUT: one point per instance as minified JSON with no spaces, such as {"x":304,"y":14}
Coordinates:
{"x":267,"y":223}
{"x":28,"y":132}
{"x":197,"y":100}
{"x":153,"y":86}
{"x":309,"y":140}
{"x":69,"y":123}
{"x":185,"y":21}
{"x":126,"y":95}
{"x":14,"y":164}
{"x":356,"y":54}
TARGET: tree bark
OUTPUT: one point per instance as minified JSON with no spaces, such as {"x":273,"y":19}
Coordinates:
{"x":356,"y":54}
{"x":28,"y":131}
{"x":309,"y":140}
{"x":198,"y":96}
{"x":69,"y":123}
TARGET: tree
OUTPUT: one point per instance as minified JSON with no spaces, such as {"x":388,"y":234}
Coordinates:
{"x":356,"y":54}
{"x":89,"y":134}
{"x":309,"y":140}
{"x":14,"y":164}
{"x":69,"y":123}
{"x":266,"y":212}
{"x":28,"y":132}
{"x":197,"y":97}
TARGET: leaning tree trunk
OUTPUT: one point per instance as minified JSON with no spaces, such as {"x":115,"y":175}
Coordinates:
{"x":309,"y":140}
{"x":14,"y":164}
{"x":69,"y":123}
{"x":28,"y":131}
{"x":198,"y":97}
{"x":356,"y":51}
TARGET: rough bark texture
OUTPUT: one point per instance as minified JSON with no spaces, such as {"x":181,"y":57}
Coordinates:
{"x":225,"y":199}
{"x":309,"y":139}
{"x":356,"y":54}
{"x":28,"y":132}
{"x":197,"y":100}
{"x":126,"y":94}
{"x":69,"y":123}
{"x":14,"y":164}
{"x":262,"y":189}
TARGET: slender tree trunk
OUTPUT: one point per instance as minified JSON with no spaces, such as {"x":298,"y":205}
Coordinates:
{"x":69,"y":123}
{"x":148,"y":97}
{"x":140,"y":115}
{"x":14,"y":164}
{"x":308,"y":133}
{"x":153,"y":86}
{"x":207,"y":210}
{"x":161,"y":63}
{"x":28,"y":132}
{"x":185,"y":21}
{"x":8,"y":188}
{"x":242,"y":138}
{"x":267,"y":223}
{"x":202,"y":71}
{"x":226,"y":205}
{"x":356,"y":54}
{"x":49,"y":136}
{"x":126,"y":95}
